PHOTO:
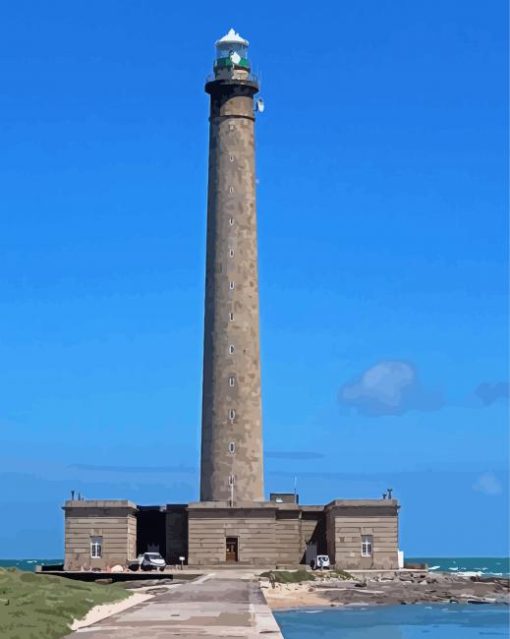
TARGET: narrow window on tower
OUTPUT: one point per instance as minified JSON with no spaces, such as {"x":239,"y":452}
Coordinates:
{"x":231,"y":448}
{"x":231,"y":414}
{"x":231,"y":381}
{"x":231,"y":317}
{"x":231,"y":158}
{"x":231,"y":349}
{"x":232,"y":286}
{"x":231,"y":127}
{"x":231,"y":480}
{"x":230,"y":189}
{"x":231,"y":252}
{"x":231,"y":221}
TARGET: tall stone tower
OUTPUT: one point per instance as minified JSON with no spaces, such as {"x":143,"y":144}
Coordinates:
{"x":231,"y":459}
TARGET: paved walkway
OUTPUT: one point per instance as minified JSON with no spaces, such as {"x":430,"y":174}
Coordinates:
{"x":212,"y":606}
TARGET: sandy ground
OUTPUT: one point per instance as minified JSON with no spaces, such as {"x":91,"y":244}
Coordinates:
{"x":97,"y":613}
{"x":292,"y":596}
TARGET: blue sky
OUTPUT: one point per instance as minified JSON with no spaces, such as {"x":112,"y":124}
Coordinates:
{"x":382,"y":199}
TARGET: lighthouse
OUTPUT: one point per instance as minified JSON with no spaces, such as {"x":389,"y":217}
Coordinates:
{"x":231,"y":452}
{"x":232,"y":522}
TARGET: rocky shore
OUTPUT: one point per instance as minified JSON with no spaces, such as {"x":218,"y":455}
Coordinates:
{"x":401,"y":588}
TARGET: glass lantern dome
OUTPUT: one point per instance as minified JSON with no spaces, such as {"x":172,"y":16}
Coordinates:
{"x":232,"y":52}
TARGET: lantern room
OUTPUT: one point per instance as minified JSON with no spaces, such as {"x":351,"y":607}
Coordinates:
{"x":231,"y":52}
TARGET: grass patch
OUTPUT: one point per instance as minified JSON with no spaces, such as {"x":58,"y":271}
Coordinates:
{"x":289,"y":576}
{"x":341,"y":574}
{"x":43,"y":606}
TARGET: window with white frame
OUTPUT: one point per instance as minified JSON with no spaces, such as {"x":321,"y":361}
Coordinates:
{"x":232,"y":286}
{"x":232,"y":414}
{"x":367,"y":542}
{"x":96,"y":547}
{"x":231,"y":221}
{"x":232,"y":448}
{"x":231,"y":349}
{"x":231,"y":381}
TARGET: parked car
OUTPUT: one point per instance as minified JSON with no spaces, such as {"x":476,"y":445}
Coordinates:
{"x":148,"y":561}
{"x":321,"y":562}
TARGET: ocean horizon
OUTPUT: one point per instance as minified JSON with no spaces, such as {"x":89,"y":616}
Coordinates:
{"x":489,"y":566}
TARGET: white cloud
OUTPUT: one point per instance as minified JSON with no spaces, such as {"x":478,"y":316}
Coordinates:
{"x":488,"y":484}
{"x":390,"y":387}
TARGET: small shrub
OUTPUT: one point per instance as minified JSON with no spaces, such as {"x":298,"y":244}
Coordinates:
{"x":342,"y":574}
{"x":289,"y":576}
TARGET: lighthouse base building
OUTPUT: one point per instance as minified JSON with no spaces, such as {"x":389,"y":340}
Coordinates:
{"x":232,"y":523}
{"x":356,"y":534}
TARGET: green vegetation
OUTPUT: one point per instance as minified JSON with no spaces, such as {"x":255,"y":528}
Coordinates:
{"x":340,"y":574}
{"x":297,"y":576}
{"x":43,"y":606}
{"x":289,"y":576}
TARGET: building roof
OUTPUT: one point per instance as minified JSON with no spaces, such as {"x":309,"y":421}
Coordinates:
{"x":232,"y":37}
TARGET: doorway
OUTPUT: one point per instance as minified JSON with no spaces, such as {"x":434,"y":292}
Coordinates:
{"x":232,"y":549}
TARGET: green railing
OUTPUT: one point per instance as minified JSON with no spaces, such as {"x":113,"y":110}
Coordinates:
{"x":228,"y":64}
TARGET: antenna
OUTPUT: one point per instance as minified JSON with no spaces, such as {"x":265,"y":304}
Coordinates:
{"x":259,"y":105}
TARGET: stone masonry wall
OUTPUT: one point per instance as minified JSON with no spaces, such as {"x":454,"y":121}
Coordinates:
{"x":231,"y":401}
{"x":114,"y":522}
{"x":208,"y":531}
{"x":347,"y":525}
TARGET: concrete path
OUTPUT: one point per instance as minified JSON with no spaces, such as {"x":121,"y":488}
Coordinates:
{"x":212,"y":606}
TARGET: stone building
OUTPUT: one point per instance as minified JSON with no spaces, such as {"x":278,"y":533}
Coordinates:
{"x":232,"y":522}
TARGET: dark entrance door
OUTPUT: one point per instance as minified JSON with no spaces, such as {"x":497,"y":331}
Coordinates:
{"x":232,"y":549}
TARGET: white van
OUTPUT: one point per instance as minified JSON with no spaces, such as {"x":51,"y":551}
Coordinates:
{"x":321,"y":562}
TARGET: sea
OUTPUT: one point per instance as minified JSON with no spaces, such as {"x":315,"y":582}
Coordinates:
{"x":419,"y":621}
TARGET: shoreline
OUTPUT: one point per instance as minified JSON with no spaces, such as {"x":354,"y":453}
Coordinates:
{"x":327,"y":592}
{"x":103,"y":611}
{"x":371,"y":606}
